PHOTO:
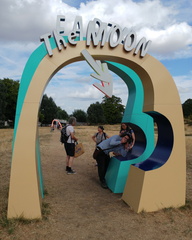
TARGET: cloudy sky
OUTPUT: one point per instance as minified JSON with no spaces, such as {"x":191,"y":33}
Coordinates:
{"x":168,"y":23}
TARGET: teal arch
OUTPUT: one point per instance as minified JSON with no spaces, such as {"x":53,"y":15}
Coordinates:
{"x":118,"y":169}
{"x":29,"y":70}
{"x":134,"y":108}
{"x":133,"y":112}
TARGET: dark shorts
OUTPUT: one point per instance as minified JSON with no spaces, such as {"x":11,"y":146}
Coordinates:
{"x":70,"y":149}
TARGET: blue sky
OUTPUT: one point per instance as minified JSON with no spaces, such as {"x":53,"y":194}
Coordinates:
{"x":168,"y":23}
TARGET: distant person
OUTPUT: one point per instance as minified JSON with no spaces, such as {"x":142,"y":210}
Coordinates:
{"x":70,"y":145}
{"x":52,"y":129}
{"x":119,"y":145}
{"x":100,"y":135}
{"x":55,"y":125}
{"x":126,"y":128}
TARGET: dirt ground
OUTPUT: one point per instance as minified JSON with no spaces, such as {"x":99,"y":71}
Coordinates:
{"x":76,"y":207}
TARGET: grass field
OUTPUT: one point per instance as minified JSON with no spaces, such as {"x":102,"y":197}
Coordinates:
{"x":76,"y":207}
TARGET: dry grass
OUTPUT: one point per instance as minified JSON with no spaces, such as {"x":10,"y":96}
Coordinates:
{"x":76,"y":207}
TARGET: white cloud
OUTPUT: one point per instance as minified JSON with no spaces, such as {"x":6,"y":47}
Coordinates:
{"x":156,"y":20}
{"x":68,"y":88}
{"x":22,"y":22}
{"x":184,"y":86}
{"x":13,"y":57}
{"x":171,"y":42}
{"x":74,"y":97}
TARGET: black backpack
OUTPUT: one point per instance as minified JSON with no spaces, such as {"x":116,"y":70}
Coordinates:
{"x":64,"y":137}
{"x":104,"y":134}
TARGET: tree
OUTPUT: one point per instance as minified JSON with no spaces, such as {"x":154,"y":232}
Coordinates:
{"x":113,"y":109}
{"x":48,"y":109}
{"x":61,"y":114}
{"x":8,"y":92}
{"x":95,"y":114}
{"x":187,"y":108}
{"x":41,"y":117}
{"x":3,"y":91}
{"x":80,"y":115}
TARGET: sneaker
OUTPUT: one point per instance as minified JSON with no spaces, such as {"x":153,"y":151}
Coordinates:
{"x":71,"y":171}
{"x":104,"y":185}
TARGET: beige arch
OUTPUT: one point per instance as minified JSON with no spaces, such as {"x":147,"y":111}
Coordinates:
{"x":24,"y":194}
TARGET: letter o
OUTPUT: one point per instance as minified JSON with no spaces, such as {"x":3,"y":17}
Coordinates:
{"x":118,"y":31}
{"x":130,"y":41}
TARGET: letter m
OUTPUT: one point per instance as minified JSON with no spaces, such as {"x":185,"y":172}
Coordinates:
{"x":96,"y":33}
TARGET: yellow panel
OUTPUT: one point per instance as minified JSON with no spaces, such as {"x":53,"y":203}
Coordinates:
{"x":24,"y":193}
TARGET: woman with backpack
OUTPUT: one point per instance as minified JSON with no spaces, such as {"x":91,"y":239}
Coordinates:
{"x":69,"y":145}
{"x":100,"y":135}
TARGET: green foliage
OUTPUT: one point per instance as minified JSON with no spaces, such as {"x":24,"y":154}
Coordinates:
{"x":95,"y":114}
{"x":8,"y":92}
{"x":61,"y":114}
{"x":48,"y":109}
{"x":187,"y":108}
{"x":8,"y":101}
{"x":109,"y":111}
{"x":80,"y":115}
{"x":113,"y":109}
{"x":41,"y":117}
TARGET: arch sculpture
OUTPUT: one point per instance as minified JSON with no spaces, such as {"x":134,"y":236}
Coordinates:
{"x":156,"y":182}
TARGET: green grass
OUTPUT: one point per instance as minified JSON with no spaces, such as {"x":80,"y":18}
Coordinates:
{"x":187,"y":206}
{"x":10,"y":225}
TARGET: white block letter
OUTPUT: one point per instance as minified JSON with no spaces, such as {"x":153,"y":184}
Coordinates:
{"x":71,"y":37}
{"x":45,"y":38}
{"x":59,"y":40}
{"x":78,"y":27}
{"x":130,"y":41}
{"x":143,"y":46}
{"x":96,"y":33}
{"x":116,"y":36}
{"x":59,"y":29}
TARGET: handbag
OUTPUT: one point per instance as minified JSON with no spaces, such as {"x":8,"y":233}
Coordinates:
{"x":79,"y":150}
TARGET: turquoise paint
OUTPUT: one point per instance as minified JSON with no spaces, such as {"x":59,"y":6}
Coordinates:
{"x":118,"y":171}
{"x":38,"y":156}
{"x":28,"y":73}
{"x":133,"y":111}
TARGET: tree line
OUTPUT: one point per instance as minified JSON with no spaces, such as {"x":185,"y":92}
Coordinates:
{"x":109,"y":111}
